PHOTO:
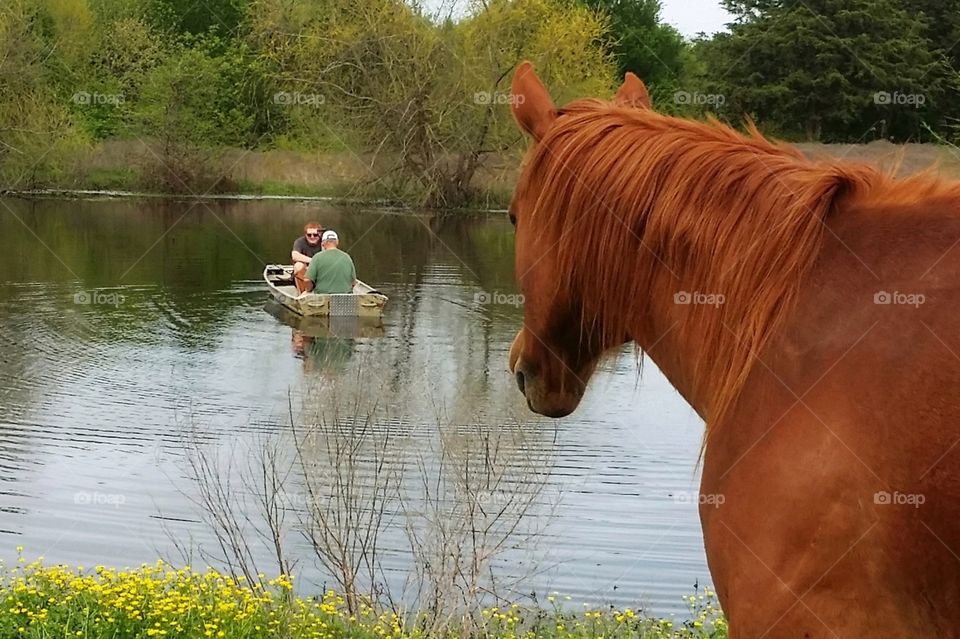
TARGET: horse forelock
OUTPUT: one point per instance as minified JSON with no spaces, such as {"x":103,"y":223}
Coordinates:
{"x":640,"y":206}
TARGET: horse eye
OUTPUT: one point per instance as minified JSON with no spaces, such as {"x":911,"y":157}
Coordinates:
{"x":513,"y":220}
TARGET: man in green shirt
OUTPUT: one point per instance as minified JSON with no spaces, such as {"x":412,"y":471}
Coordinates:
{"x":331,"y":270}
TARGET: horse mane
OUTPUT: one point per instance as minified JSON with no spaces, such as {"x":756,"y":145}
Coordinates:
{"x":640,"y":206}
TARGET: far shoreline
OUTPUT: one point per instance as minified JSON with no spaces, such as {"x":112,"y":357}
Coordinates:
{"x":387,"y":206}
{"x":115,"y":169}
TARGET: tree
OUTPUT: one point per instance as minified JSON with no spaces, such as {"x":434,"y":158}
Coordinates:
{"x":190,"y":17}
{"x":942,"y":27}
{"x":748,"y":10}
{"x":943,"y":30}
{"x":36,"y":131}
{"x":202,"y":98}
{"x":642,"y":43}
{"x":830,"y":70}
{"x":430,"y":102}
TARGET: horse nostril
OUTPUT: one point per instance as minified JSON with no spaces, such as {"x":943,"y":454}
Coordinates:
{"x":520,"y":382}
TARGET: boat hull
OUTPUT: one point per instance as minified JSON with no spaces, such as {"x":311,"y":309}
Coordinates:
{"x":363,"y":302}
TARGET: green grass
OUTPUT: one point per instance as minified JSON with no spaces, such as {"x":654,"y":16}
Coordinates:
{"x":111,"y":175}
{"x":112,"y":179}
{"x":269,"y":187}
{"x":38,"y":601}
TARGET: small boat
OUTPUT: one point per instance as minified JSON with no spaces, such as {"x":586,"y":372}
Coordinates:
{"x":364,"y":301}
{"x":326,"y":326}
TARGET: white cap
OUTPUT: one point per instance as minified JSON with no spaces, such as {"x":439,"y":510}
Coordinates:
{"x":329,"y":236}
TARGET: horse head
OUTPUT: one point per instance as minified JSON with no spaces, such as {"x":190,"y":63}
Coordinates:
{"x":557,"y":349}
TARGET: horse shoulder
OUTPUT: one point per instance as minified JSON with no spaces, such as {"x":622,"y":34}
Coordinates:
{"x":855,"y":403}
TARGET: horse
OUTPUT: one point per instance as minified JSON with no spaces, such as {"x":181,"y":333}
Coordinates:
{"x":804,"y":309}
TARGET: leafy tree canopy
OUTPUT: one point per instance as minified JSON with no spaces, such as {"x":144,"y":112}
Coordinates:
{"x":831,"y":70}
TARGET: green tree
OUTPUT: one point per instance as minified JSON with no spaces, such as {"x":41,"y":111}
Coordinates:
{"x":642,"y":43}
{"x":830,"y":70}
{"x":109,"y":10}
{"x":188,"y":16}
{"x":202,"y":98}
{"x":748,"y":10}
{"x":37,"y":135}
{"x":127,"y":50}
{"x":428,"y":102}
{"x":943,"y":29}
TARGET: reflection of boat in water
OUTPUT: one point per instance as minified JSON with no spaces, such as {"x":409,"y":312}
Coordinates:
{"x":349,"y":326}
{"x":364,"y":301}
{"x":322,"y":354}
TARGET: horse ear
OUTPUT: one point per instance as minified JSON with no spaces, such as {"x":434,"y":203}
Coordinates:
{"x":530,"y":102}
{"x":633,"y":93}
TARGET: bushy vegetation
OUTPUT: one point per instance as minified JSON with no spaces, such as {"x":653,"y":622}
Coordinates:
{"x":422,"y":96}
{"x":161,"y":601}
{"x":837,"y":70}
{"x":424,"y":100}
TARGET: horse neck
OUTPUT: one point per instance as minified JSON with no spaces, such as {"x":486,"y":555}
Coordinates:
{"x":703,"y":212}
{"x":659,"y":335}
{"x":710,"y":299}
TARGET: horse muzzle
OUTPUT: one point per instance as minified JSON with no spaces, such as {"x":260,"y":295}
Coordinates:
{"x":551,"y":388}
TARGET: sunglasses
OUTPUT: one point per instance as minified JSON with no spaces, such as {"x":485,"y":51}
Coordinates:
{"x":313,"y":235}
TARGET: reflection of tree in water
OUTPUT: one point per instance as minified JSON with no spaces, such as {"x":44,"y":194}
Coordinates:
{"x":400,"y":500}
{"x":25,"y":348}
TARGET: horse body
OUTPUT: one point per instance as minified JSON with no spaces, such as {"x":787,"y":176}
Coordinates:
{"x":854,"y":403}
{"x":827,"y":370}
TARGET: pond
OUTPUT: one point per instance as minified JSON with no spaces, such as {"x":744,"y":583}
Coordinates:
{"x":132,"y":329}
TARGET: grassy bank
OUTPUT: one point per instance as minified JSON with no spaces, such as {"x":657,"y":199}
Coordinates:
{"x":126,"y":165}
{"x":158,"y":600}
{"x":137,"y":166}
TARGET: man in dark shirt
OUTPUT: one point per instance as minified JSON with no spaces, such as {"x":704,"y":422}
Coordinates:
{"x":304,"y":248}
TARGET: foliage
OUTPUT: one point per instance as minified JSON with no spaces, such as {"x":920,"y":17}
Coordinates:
{"x":160,"y":601}
{"x":423,"y":99}
{"x":104,"y":101}
{"x":205,"y":95}
{"x":830,"y":70}
{"x":36,"y":131}
{"x":641,"y":43}
{"x":177,"y":17}
{"x":205,"y":92}
{"x":943,"y":27}
{"x":430,"y":100}
{"x":562,"y":41}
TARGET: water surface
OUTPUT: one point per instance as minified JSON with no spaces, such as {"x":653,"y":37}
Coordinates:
{"x":129,"y":328}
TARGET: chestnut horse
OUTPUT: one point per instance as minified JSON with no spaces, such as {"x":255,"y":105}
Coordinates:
{"x":806,"y":310}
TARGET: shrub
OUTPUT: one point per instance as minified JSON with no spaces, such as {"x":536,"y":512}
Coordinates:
{"x":161,"y":601}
